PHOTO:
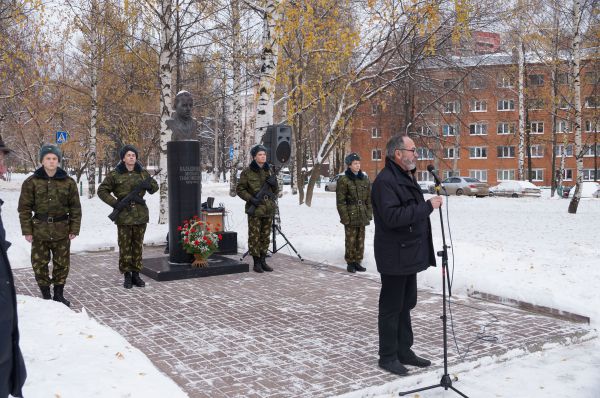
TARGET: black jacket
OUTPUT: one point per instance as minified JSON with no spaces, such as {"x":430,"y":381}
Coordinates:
{"x":403,"y":243}
{"x":11,"y":359}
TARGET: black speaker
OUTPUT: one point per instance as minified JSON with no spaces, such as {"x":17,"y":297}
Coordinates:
{"x":278,"y":140}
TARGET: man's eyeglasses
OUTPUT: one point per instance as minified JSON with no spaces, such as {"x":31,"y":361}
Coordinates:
{"x":408,"y":150}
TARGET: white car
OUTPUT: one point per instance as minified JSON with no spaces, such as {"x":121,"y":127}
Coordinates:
{"x":515,"y":189}
{"x":427,"y":186}
{"x":589,"y":189}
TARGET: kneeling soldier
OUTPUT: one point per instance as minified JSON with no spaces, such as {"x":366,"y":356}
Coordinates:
{"x":250,"y":184}
{"x":51,"y":196}
{"x":353,"y":197}
{"x":132,"y":219}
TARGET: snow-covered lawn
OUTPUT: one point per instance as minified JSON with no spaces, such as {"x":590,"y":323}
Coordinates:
{"x":529,"y":249}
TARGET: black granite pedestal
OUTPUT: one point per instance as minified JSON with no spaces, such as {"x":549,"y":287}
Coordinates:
{"x":160,"y":269}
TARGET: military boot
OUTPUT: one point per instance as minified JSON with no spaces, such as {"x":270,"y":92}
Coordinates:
{"x":359,"y":267}
{"x":351,"y":267}
{"x":45,"y":292}
{"x":127,"y":282}
{"x":264,"y":265}
{"x":58,"y":295}
{"x":257,"y":265}
{"x":136,"y":280}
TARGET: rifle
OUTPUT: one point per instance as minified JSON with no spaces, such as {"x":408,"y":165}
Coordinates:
{"x":264,"y":193}
{"x":132,"y":196}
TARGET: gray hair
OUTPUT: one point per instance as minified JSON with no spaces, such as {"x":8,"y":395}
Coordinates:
{"x":396,"y":142}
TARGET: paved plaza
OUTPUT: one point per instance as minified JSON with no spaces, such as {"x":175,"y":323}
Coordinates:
{"x":305,"y":330}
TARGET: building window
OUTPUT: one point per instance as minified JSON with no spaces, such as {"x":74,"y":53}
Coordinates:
{"x":449,"y":130}
{"x":537,"y":175}
{"x":481,"y":175}
{"x":375,"y":133}
{"x":375,"y":109}
{"x":451,"y":107}
{"x":568,"y":150}
{"x":588,"y":150}
{"x":450,"y":173}
{"x":505,"y":174}
{"x":591,"y":78}
{"x":589,"y":174}
{"x":478,"y":106}
{"x":376,"y":154}
{"x":452,"y":84}
{"x":536,"y":80}
{"x":478,"y":129}
{"x":478,"y":83}
{"x":563,"y":126}
{"x":592,"y":102}
{"x":591,"y":127}
{"x":563,"y":104}
{"x":506,"y":151}
{"x":568,"y":175}
{"x":451,"y":153}
{"x":563,"y":78}
{"x":478,"y":152}
{"x":534,"y":104}
{"x":504,"y":81}
{"x":425,"y":153}
{"x":536,"y":127}
{"x":427,"y":131}
{"x":537,"y":151}
{"x":424,"y":176}
{"x":506,"y":105}
{"x":505,"y":128}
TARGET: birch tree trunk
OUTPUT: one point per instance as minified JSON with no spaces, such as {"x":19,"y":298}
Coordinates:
{"x":94,"y":69}
{"x":577,"y":85}
{"x":522,"y":110}
{"x":236,"y":99}
{"x":166,"y":78}
{"x":268,"y":70}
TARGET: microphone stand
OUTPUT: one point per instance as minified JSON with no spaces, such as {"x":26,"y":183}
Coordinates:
{"x":446,"y":381}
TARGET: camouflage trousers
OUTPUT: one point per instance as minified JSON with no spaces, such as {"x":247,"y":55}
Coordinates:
{"x":131,"y":244}
{"x":60,"y":250}
{"x":355,"y":244}
{"x":259,"y":235}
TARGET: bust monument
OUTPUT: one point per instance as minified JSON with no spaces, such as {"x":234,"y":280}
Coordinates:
{"x":182,"y":125}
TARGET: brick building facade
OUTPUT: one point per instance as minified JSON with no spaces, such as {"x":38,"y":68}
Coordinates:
{"x":466,"y":121}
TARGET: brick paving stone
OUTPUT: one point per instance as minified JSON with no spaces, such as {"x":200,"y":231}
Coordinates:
{"x":305,"y":330}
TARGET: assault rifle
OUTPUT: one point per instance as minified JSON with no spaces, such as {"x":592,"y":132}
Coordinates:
{"x":264,"y":193}
{"x":132,"y":196}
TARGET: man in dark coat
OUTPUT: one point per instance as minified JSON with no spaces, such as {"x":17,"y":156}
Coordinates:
{"x":12,"y":366}
{"x":403,"y":246}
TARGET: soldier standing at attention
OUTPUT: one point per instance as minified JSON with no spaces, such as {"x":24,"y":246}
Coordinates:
{"x":353,"y":197}
{"x":259,"y":224}
{"x":132,"y":220}
{"x":50,"y":216}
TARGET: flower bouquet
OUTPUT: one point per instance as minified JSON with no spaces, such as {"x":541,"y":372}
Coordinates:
{"x":198,"y":239}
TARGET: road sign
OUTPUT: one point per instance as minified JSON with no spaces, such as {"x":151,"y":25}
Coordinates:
{"x":230,"y":152}
{"x":61,"y":137}
{"x":228,"y":164}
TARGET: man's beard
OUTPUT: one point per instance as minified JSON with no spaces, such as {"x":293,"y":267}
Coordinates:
{"x":409,"y":164}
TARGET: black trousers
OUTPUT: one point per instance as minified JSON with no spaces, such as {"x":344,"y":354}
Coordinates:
{"x":398,"y":296}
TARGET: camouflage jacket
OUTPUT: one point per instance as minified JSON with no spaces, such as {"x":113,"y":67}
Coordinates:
{"x":54,"y":197}
{"x":118,"y":184}
{"x":251,"y":181}
{"x":353,"y":198}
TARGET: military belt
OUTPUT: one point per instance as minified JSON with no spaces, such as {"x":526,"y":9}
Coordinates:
{"x":50,"y":220}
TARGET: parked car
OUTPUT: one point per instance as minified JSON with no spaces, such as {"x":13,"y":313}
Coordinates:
{"x":465,"y":186}
{"x":515,"y":189}
{"x":589,"y":189}
{"x":427,"y":186}
{"x":332,"y":183}
{"x":287,"y":179}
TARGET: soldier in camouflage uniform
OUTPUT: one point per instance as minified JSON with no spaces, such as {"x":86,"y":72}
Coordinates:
{"x":50,"y":216}
{"x":131,"y":221}
{"x":353,"y":197}
{"x":259,"y":224}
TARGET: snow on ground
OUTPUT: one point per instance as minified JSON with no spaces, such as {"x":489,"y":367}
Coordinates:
{"x":528,"y":249}
{"x":68,"y":354}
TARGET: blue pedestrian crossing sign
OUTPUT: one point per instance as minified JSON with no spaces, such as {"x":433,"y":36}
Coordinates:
{"x":61,"y":137}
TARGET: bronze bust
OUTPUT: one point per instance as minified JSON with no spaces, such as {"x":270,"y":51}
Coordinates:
{"x":182,"y":125}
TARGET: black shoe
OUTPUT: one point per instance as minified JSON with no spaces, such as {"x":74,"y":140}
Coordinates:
{"x":45,"y":292}
{"x":127,"y":282}
{"x":351,"y":267}
{"x":136,"y":280}
{"x":359,"y":267}
{"x":412,"y":359}
{"x":394,"y":367}
{"x":264,"y":265}
{"x":58,"y":295}
{"x":257,"y":265}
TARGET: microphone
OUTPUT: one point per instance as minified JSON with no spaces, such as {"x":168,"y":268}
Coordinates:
{"x":431,"y":169}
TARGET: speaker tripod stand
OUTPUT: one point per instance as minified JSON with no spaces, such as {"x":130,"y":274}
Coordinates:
{"x":446,"y":381}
